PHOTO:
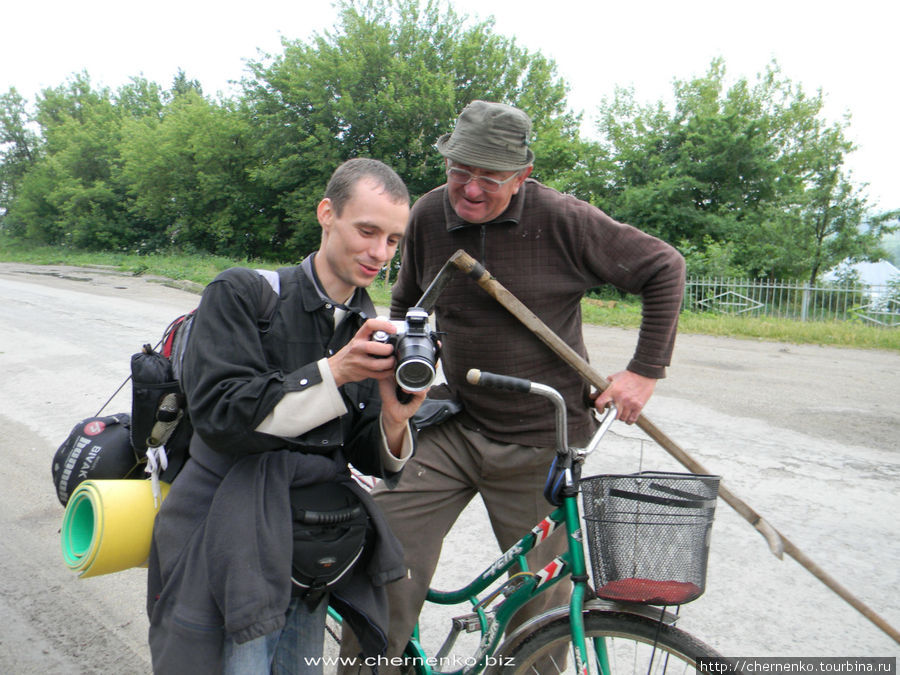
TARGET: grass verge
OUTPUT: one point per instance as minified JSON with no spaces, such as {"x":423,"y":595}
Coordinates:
{"x":850,"y":334}
{"x":202,"y":269}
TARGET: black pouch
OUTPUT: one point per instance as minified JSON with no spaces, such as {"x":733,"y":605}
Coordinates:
{"x":330,"y":531}
{"x":156,"y":396}
{"x":434,"y":411}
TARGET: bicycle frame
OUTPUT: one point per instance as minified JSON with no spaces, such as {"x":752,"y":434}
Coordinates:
{"x":518,"y":590}
{"x":524,"y":585}
{"x":491,"y":614}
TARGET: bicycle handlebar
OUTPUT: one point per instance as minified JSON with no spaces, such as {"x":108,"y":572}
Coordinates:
{"x":495,"y":381}
{"x":477,"y":377}
{"x":517,"y":384}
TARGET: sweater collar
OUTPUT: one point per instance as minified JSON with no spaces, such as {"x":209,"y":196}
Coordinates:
{"x":512,"y":215}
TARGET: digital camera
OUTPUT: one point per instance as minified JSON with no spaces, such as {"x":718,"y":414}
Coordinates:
{"x":416,"y":349}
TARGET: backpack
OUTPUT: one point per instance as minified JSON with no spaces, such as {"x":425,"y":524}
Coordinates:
{"x":159,"y":416}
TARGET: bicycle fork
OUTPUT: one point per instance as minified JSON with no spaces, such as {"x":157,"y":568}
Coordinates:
{"x":579,"y":579}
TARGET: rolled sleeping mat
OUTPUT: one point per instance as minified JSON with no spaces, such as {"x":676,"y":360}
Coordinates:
{"x":108,"y":525}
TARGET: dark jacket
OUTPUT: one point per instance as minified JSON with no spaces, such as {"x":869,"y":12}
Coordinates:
{"x":236,"y":371}
{"x":220,"y":564}
{"x":221,"y":551}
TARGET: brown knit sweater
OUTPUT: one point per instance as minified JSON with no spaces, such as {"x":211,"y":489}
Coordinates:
{"x":547,"y":249}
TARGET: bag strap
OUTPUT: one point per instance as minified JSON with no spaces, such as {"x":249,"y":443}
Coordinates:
{"x":273,"y":278}
{"x":269,"y":301}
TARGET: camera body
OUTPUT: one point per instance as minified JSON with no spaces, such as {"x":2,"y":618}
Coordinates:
{"x":416,"y":349}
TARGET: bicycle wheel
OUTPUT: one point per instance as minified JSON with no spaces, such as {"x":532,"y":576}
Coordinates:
{"x":634,"y":644}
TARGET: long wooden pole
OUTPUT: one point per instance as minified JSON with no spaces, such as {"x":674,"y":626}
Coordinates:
{"x":778,"y":543}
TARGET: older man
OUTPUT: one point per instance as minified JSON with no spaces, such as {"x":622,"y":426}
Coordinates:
{"x":547,"y":248}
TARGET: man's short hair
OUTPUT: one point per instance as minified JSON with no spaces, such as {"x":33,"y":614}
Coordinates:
{"x":347,"y":175}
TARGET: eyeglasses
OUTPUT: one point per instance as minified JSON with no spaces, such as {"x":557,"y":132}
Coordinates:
{"x":463,"y":177}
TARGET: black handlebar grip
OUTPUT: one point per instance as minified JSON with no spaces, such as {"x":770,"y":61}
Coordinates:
{"x":495,"y":381}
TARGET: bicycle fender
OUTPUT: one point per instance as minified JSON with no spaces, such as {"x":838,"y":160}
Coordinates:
{"x":512,"y":641}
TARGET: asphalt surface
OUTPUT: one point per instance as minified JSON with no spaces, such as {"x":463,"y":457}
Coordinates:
{"x":808,"y":436}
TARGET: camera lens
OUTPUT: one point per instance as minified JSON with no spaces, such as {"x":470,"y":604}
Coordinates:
{"x":415,"y":374}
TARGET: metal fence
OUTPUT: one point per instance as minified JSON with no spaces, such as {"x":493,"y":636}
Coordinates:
{"x":876,"y":305}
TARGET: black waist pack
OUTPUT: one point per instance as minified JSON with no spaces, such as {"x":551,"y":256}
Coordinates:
{"x":331,"y":530}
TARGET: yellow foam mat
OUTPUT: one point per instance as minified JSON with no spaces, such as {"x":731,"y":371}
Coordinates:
{"x":108,"y":525}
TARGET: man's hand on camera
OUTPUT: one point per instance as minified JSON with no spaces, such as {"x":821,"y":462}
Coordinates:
{"x":361,"y":358}
{"x":395,"y":414}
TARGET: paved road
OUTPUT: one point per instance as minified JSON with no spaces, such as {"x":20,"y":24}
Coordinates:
{"x":807,"y":435}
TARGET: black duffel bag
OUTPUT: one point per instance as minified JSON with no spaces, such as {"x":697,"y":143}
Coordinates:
{"x":96,"y":448}
{"x":330,"y":530}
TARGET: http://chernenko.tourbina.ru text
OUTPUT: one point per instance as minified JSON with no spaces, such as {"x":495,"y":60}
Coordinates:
{"x":801,"y":665}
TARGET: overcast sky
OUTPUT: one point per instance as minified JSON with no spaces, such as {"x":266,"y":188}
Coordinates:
{"x":848,"y":49}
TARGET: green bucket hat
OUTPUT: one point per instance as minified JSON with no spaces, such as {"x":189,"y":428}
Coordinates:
{"x":491,"y":136}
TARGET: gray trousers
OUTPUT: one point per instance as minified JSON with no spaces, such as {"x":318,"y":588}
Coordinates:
{"x":452,"y":464}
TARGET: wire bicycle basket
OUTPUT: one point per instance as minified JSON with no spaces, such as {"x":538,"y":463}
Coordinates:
{"x":648,"y":534}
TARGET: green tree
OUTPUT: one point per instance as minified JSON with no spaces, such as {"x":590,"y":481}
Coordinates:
{"x":19,"y":148}
{"x":187,"y":174}
{"x":140,"y":98}
{"x":386,"y":82}
{"x":144,"y":168}
{"x":182,"y":85}
{"x":817,"y":216}
{"x":71,"y":194}
{"x":74,"y":193}
{"x":754,"y":172}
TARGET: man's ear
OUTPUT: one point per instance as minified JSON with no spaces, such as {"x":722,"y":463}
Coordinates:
{"x":523,"y":174}
{"x":325,"y":213}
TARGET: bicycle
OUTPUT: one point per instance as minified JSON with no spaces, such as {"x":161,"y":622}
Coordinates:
{"x":591,"y":634}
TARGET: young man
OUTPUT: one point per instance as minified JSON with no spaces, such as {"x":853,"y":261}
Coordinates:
{"x":276,"y":407}
{"x":547,"y":248}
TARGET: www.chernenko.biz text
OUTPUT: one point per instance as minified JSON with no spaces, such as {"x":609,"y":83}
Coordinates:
{"x":451,"y":661}
{"x":836,"y":665}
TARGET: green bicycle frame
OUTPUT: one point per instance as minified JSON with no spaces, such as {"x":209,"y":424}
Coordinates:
{"x":525,"y":585}
{"x":519,"y":589}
